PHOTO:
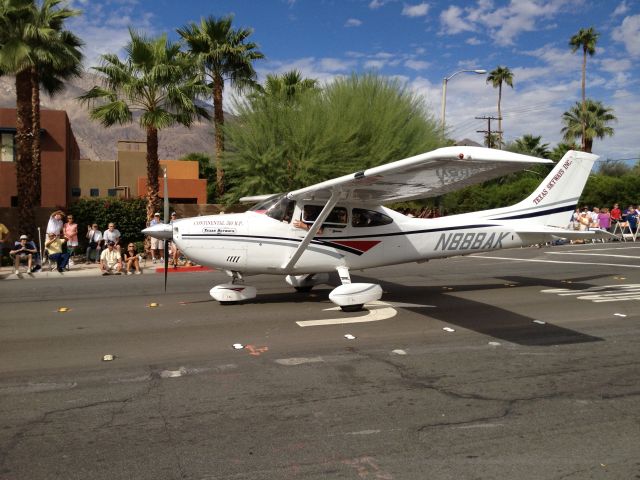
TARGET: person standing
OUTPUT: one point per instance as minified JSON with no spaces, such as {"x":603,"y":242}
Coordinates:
{"x":157,"y":245}
{"x":55,"y":223}
{"x":94,"y":237}
{"x":70,"y":231}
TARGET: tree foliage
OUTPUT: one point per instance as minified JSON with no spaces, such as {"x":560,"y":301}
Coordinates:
{"x":129,"y":216}
{"x":223,"y":54}
{"x":352,"y":124}
{"x":157,"y":82}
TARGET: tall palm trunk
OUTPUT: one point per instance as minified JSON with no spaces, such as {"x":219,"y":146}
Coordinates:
{"x":218,"y":120}
{"x":153,"y":172}
{"x":35,"y":147}
{"x":499,"y":116}
{"x":24,"y":163}
{"x":584,"y":98}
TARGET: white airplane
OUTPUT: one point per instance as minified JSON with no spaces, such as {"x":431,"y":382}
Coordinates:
{"x":340,"y":225}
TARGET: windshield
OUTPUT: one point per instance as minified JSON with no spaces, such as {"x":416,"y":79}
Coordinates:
{"x":278,"y":207}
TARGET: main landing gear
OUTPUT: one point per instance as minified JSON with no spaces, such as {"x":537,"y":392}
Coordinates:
{"x":351,"y":297}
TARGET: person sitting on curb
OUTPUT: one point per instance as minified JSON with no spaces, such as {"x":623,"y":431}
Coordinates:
{"x":23,"y":251}
{"x":110,"y":260}
{"x":56,"y":250}
{"x":132,"y":260}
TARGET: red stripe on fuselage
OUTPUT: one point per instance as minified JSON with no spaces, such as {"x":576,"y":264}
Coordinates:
{"x":362,"y":245}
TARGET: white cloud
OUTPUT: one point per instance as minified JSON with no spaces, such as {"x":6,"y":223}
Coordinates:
{"x":629,"y":34}
{"x":419,"y":10}
{"x":621,"y":9}
{"x":106,"y":28}
{"x":504,"y":23}
{"x":452,"y":22}
{"x":353,"y":22}
{"x":473,"y":41}
{"x":614,"y":65}
{"x":416,"y":64}
{"x":375,"y":4}
{"x":335,"y":65}
{"x":374,"y":64}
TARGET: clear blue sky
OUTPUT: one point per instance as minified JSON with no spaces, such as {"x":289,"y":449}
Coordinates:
{"x":421,"y":42}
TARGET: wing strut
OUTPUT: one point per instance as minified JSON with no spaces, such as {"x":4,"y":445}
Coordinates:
{"x":335,"y":195}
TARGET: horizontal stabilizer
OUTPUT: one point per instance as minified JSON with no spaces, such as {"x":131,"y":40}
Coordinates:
{"x":595,"y":233}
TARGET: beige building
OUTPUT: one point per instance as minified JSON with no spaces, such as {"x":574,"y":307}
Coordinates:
{"x":127,"y":176}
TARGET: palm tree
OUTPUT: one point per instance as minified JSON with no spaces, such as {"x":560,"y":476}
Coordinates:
{"x":497,"y":77}
{"x":588,"y":122}
{"x":29,"y":37}
{"x":530,"y":145}
{"x":156,"y":82}
{"x":224,"y":54}
{"x":560,"y":149}
{"x":289,"y":85}
{"x":587,"y":39}
{"x":61,"y":59}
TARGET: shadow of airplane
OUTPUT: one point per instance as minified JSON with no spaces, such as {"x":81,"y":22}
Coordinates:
{"x":488,"y":319}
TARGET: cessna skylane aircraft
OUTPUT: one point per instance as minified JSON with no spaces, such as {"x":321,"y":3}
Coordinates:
{"x":340,"y":225}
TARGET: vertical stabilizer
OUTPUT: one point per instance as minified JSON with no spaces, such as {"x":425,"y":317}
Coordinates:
{"x":557,"y":196}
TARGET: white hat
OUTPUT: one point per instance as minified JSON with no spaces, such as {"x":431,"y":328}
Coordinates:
{"x":157,"y":214}
{"x":24,"y":237}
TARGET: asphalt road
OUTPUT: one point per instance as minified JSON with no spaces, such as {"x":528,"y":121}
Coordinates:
{"x":537,"y":376}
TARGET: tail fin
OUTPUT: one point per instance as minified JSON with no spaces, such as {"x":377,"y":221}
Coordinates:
{"x":557,"y":196}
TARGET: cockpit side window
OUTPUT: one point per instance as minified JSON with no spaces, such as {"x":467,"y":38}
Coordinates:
{"x":338,"y":217}
{"x":369,"y":218}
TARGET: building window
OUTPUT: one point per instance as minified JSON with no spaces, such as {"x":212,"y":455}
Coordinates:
{"x":7,"y":147}
{"x":94,"y":192}
{"x":75,"y":191}
{"x":112,"y":192}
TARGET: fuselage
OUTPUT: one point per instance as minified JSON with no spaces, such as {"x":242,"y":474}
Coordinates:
{"x":253,"y":242}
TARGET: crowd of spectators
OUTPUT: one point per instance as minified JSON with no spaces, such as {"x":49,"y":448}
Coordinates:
{"x":614,"y":221}
{"x":104,"y":248}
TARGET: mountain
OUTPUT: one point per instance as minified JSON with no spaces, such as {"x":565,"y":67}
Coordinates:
{"x":99,"y":143}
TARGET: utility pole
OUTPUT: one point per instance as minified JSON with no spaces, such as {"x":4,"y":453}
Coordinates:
{"x":488,"y":131}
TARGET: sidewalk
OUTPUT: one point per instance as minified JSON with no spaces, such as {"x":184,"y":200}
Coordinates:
{"x":81,"y":269}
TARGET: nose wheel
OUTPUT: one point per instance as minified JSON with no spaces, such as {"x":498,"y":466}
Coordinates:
{"x":234,"y":292}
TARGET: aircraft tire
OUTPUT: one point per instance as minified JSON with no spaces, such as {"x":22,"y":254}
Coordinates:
{"x":352,"y":308}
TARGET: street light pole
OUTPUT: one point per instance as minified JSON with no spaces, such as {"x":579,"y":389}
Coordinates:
{"x":445,"y":80}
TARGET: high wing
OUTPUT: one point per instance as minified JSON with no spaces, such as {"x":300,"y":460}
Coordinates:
{"x":422,"y":176}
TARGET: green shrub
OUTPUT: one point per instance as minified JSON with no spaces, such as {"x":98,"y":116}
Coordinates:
{"x":128,"y":215}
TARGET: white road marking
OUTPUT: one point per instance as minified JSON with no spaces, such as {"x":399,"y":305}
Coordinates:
{"x":620,"y":265}
{"x":593,"y":254}
{"x":298,"y":360}
{"x":600,"y":294}
{"x":399,"y":352}
{"x":603,"y":249}
{"x":540,"y":322}
{"x":376,"y":311}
